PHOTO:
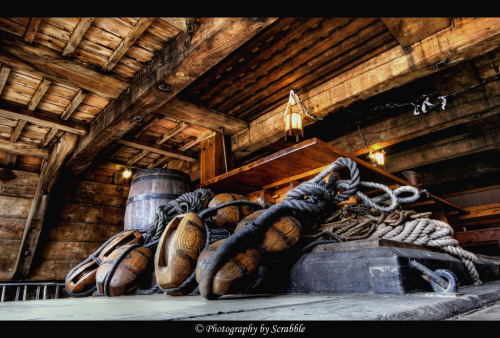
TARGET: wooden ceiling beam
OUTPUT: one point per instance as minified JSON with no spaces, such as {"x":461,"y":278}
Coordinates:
{"x":201,"y":116}
{"x":129,"y":40}
{"x":174,"y":131}
{"x":79,"y":97}
{"x":39,"y":93}
{"x":405,"y":126}
{"x":410,"y":30}
{"x":23,"y":149}
{"x":174,"y":68}
{"x":51,"y":64}
{"x":31,"y":30}
{"x":4,"y":75}
{"x":199,"y":139}
{"x":77,"y":36}
{"x":398,"y":66}
{"x":156,"y":149}
{"x":444,"y":149}
{"x":18,"y":113}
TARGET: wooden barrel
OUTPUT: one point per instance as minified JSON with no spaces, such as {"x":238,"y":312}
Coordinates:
{"x":150,"y":189}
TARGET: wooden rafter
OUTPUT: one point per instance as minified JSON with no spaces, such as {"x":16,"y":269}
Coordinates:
{"x":39,"y":93}
{"x":389,"y":70}
{"x":138,"y":156}
{"x":18,"y":113}
{"x":156,"y":149}
{"x":48,"y":137}
{"x":400,"y":128}
{"x":77,"y":36}
{"x":73,"y":105}
{"x":23,"y":149}
{"x":17,"y":130}
{"x":171,"y":133}
{"x":129,"y":40}
{"x":172,"y":70}
{"x":51,"y":64}
{"x":4,"y":75}
{"x":448,"y":148}
{"x":31,"y":30}
{"x":197,"y":140}
{"x":212,"y":119}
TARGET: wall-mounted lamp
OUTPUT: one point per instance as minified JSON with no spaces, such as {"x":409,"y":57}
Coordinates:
{"x":127,"y":173}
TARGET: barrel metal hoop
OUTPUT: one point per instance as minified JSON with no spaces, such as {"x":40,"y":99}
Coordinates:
{"x":157,"y":176}
{"x":152,"y":196}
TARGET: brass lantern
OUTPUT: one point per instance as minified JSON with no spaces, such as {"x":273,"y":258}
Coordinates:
{"x":294,"y":116}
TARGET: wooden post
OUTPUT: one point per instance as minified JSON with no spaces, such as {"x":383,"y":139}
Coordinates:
{"x":213,"y":157}
{"x":34,"y":223}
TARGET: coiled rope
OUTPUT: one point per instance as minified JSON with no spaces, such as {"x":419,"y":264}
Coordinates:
{"x":311,"y":202}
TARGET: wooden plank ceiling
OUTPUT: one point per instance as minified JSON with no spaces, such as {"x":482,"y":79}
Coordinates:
{"x":144,"y":92}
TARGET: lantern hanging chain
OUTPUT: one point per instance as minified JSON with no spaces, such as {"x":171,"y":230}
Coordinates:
{"x":295,"y":99}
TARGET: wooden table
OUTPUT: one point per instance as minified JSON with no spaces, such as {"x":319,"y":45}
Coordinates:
{"x":305,"y":159}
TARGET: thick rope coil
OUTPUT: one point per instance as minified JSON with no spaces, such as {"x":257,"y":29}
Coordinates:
{"x":310,"y":202}
{"x":432,"y":233}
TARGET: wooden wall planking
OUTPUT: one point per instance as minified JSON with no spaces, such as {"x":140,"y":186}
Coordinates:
{"x":16,"y":196}
{"x":92,"y":209}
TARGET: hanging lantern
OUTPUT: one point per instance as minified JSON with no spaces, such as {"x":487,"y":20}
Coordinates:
{"x":378,"y":157}
{"x":293,"y":118}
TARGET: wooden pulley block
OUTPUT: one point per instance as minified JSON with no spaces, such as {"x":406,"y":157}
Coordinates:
{"x":236,"y":274}
{"x":281,"y":235}
{"x":83,"y":278}
{"x":352,"y":200}
{"x":229,"y":217}
{"x":124,"y":238}
{"x":128,"y":271}
{"x":177,"y":252}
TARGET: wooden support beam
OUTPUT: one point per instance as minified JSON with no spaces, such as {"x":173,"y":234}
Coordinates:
{"x":213,"y":120}
{"x":31,"y":30}
{"x":17,"y":130}
{"x":129,"y":40}
{"x":9,"y":161}
{"x":77,"y":36}
{"x":179,"y":23}
{"x":198,"y":140}
{"x":172,"y":70}
{"x":18,"y":113}
{"x":398,"y":66}
{"x":410,"y":30}
{"x":39,"y":93}
{"x":405,"y":126}
{"x":444,"y":149}
{"x":177,"y":129}
{"x":212,"y":158}
{"x":156,"y":149}
{"x":137,"y":157}
{"x":73,"y":105}
{"x":159,"y":161}
{"x":35,"y":221}
{"x":51,"y":64}
{"x":48,"y":137}
{"x":23,"y":149}
{"x":4,"y":75}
